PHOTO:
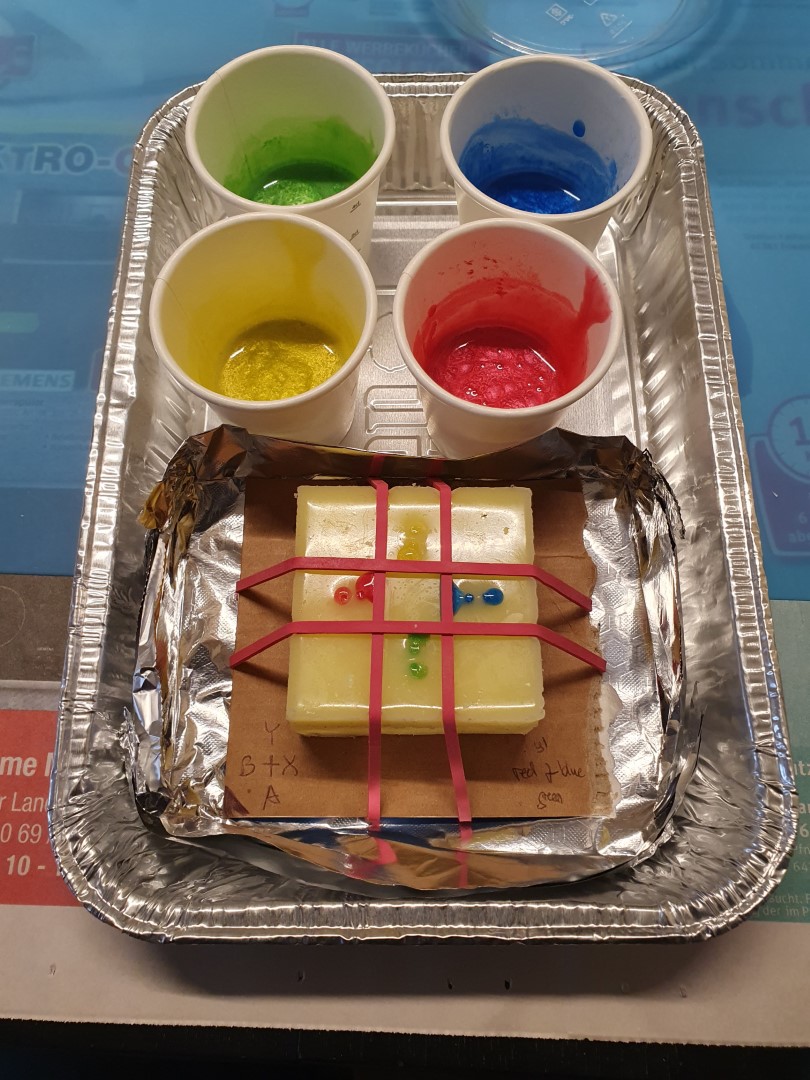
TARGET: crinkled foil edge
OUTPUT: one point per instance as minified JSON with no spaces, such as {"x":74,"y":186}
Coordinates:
{"x":181,"y":687}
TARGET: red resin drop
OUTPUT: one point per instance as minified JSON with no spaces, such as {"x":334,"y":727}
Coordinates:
{"x":364,"y":587}
{"x":342,"y":595}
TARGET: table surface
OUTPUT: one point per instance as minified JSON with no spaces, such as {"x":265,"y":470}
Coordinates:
{"x":77,"y":82}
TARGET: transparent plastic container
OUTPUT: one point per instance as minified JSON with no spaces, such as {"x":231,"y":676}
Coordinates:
{"x":614,"y":34}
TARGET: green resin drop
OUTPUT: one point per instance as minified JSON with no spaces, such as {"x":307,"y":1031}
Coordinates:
{"x":419,"y":671}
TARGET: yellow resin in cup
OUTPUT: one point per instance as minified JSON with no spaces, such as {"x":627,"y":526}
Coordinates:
{"x":267,"y":318}
{"x":280,"y":359}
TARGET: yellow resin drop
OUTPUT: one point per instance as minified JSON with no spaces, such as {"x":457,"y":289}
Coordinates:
{"x":279,"y":359}
{"x":413,"y":540}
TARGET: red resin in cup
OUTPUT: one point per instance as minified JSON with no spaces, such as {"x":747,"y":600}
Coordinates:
{"x":507,"y":343}
{"x":503,"y":325}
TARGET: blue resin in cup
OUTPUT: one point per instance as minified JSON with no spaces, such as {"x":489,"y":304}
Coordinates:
{"x":546,"y":138}
{"x":534,"y":167}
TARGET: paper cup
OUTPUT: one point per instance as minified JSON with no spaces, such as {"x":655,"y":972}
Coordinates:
{"x":507,"y":274}
{"x":249,"y":270}
{"x":551,"y":116}
{"x":291,"y":98}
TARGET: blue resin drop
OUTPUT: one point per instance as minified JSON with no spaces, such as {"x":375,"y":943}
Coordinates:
{"x":460,"y":598}
{"x":534,"y":167}
{"x":493,"y":596}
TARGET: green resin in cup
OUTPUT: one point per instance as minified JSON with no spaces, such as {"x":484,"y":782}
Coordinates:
{"x":300,"y":161}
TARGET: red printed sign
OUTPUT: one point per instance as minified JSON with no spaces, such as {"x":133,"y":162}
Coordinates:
{"x":28,"y":873}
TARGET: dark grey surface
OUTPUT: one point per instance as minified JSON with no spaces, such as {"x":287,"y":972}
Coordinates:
{"x":78,"y":1052}
{"x":33,"y":627}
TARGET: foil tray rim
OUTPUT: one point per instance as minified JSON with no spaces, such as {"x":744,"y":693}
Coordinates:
{"x":376,"y":919}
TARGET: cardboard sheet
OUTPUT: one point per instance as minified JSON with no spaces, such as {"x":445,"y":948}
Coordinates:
{"x":556,"y":770}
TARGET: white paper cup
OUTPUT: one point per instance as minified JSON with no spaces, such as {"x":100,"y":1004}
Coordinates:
{"x":586,"y":105}
{"x":505,"y":273}
{"x":243,"y":103}
{"x":247,"y":270}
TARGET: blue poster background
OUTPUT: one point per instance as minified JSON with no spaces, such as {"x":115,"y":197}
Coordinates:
{"x":78,"y":80}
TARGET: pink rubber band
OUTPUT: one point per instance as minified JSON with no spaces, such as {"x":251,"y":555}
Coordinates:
{"x":451,"y":740}
{"x":430,"y":566}
{"x":374,"y":812}
{"x":377,"y":464}
{"x":401,"y":626}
